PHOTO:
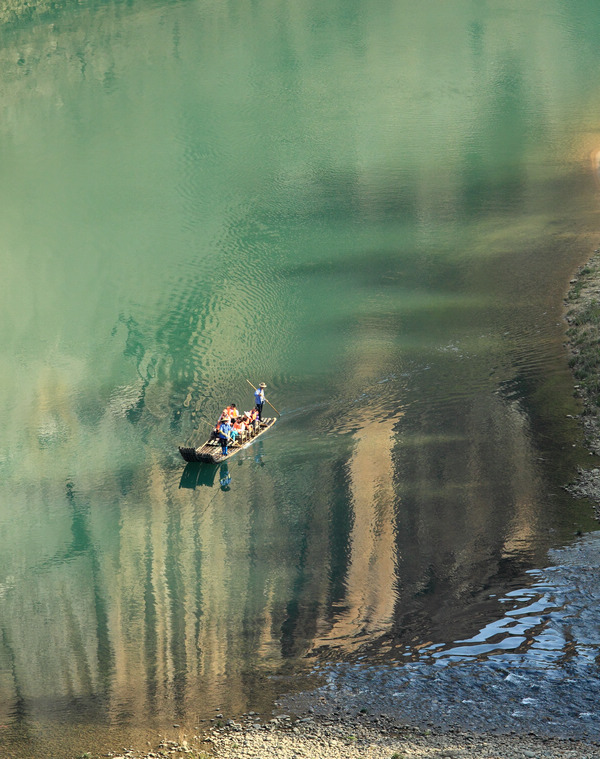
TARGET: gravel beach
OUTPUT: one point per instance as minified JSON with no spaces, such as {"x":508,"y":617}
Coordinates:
{"x":356,"y":740}
{"x":329,"y":738}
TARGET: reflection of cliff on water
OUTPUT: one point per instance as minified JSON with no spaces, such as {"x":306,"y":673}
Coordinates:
{"x":371,"y":530}
{"x":158,"y":602}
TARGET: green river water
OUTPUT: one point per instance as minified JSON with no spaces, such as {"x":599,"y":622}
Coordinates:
{"x":375,"y":207}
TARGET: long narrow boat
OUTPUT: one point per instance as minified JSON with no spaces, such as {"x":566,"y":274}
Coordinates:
{"x":211,"y":450}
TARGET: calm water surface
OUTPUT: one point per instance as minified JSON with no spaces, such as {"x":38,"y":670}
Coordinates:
{"x":375,"y":209}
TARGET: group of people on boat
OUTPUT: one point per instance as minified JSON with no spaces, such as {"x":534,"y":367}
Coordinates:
{"x":233,"y":424}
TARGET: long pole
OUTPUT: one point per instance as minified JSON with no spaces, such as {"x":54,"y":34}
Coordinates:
{"x":269,"y":402}
{"x":201,"y":419}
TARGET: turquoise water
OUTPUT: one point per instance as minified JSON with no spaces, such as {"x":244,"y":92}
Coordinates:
{"x":374,"y":209}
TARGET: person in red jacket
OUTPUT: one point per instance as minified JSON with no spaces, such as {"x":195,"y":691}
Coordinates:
{"x":231,"y":411}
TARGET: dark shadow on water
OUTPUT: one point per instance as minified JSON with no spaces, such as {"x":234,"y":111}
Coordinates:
{"x":197,"y":475}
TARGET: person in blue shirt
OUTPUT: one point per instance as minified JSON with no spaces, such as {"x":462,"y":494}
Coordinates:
{"x":259,"y":399}
{"x":224,"y":434}
{"x":224,"y":477}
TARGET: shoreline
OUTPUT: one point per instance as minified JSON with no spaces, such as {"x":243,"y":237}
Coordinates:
{"x":582,"y":304}
{"x":361,"y":736}
{"x":339,"y":738}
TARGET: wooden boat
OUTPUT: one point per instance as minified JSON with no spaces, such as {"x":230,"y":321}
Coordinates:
{"x":211,"y":450}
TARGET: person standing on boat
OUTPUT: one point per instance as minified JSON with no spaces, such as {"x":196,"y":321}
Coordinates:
{"x":259,"y":399}
{"x":224,"y":434}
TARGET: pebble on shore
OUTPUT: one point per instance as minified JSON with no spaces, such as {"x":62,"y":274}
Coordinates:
{"x":350,"y":739}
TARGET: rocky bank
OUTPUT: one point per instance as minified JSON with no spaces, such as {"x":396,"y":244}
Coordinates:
{"x":283,"y":737}
{"x":356,"y":739}
{"x":583,"y":343}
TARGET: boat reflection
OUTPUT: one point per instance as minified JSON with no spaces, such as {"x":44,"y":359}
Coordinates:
{"x":224,"y":477}
{"x":200,"y":474}
{"x":197,"y":475}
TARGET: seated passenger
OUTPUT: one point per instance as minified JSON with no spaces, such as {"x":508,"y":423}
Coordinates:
{"x":232,"y":411}
{"x":245,"y":419}
{"x":232,"y":431}
{"x":253,"y":420}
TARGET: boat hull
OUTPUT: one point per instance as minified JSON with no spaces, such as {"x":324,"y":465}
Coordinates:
{"x":210,"y":451}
